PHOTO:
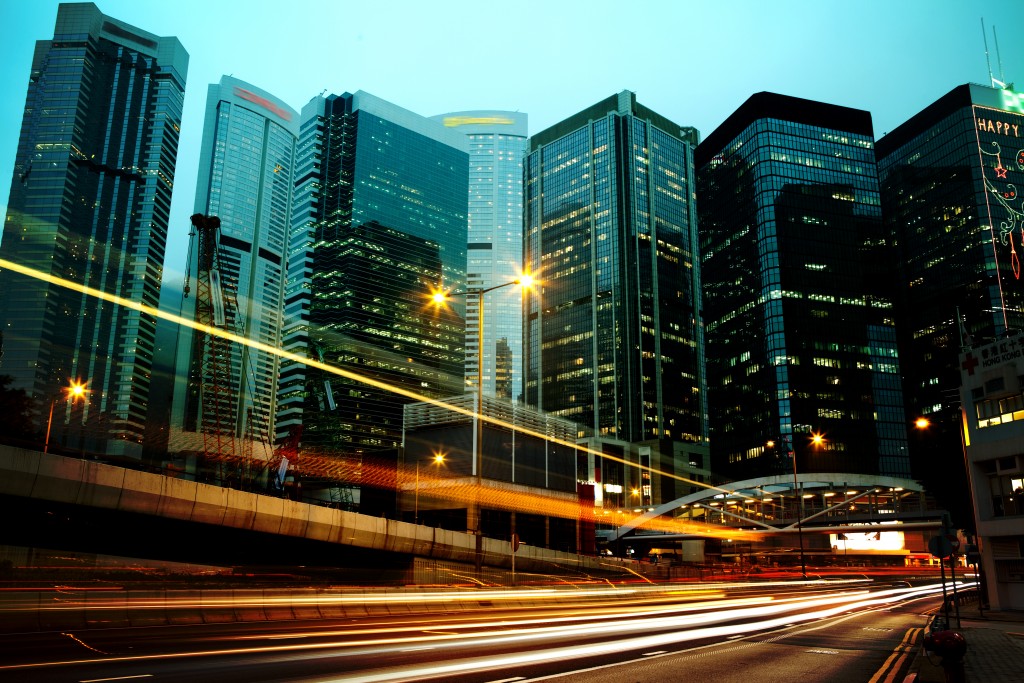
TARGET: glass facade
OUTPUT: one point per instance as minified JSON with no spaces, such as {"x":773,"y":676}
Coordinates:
{"x":800,"y":324}
{"x":949,"y":179}
{"x":497,"y":143}
{"x":245,"y":181}
{"x":379,"y":223}
{"x":89,"y":203}
{"x":612,"y":339}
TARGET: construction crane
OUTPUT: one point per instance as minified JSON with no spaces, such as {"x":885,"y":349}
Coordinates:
{"x":210,"y":380}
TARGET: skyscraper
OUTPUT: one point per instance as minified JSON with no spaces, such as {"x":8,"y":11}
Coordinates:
{"x":950,"y":179}
{"x":379,"y":223}
{"x":800,"y":326}
{"x":497,"y":142}
{"x":89,"y":203}
{"x":613,"y":339}
{"x":227,"y":391}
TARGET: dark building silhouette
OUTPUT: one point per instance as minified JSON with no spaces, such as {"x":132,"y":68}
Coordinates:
{"x":89,"y":203}
{"x":950,"y":180}
{"x":613,"y":338}
{"x":796,"y":266}
{"x":379,"y":224}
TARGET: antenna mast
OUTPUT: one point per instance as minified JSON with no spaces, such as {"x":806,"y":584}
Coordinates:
{"x":999,"y":60}
{"x":988,"y":63}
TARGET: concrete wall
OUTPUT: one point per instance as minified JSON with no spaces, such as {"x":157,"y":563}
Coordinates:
{"x":41,"y":476}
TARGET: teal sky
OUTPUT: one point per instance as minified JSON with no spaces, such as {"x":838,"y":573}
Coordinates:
{"x":693,"y":62}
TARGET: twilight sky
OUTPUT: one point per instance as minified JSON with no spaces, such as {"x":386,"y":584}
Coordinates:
{"x":693,"y":62}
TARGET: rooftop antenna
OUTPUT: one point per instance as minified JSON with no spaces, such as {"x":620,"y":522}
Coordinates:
{"x":988,"y":63}
{"x":993,"y":81}
{"x":999,"y":60}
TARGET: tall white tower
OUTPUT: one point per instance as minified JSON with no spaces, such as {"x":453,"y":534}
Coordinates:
{"x":494,"y":251}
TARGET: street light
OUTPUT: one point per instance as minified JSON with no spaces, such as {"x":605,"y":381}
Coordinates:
{"x":438,"y":460}
{"x":72,"y":392}
{"x":525,"y":281}
{"x":816,"y":440}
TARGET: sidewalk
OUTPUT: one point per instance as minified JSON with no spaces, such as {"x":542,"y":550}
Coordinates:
{"x":995,"y":648}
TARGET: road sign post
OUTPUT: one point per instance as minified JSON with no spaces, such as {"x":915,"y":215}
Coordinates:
{"x":514,"y":544}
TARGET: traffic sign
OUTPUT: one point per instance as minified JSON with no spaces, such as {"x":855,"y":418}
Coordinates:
{"x":515,"y":542}
{"x":940,"y":547}
{"x":954,"y":540}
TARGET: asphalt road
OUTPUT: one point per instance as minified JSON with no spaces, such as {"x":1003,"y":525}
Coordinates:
{"x":835,"y":632}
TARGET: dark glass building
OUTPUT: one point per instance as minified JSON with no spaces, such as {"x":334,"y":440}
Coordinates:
{"x":800,"y":329}
{"x":950,"y":179}
{"x":613,"y":339}
{"x":89,"y":203}
{"x":379,"y":223}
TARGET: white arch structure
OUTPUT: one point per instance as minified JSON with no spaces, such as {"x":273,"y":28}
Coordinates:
{"x":761,"y":487}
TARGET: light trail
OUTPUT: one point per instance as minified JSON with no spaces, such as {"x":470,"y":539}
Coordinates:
{"x":401,"y":391}
{"x":680,"y":628}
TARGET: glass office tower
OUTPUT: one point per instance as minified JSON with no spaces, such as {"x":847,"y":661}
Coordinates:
{"x":497,"y":142}
{"x":89,"y":203}
{"x":245,"y":180}
{"x":613,"y":338}
{"x":950,"y":178}
{"x":379,"y":224}
{"x":800,"y":327}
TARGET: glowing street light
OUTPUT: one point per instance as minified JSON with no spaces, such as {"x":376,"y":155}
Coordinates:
{"x":438,"y":460}
{"x":72,"y":393}
{"x":524,"y":281}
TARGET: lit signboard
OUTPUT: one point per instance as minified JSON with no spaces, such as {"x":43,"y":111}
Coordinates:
{"x":250,"y":96}
{"x":454,"y":121}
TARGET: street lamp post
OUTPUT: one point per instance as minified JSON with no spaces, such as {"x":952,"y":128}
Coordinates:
{"x":799,"y":518}
{"x":438,"y":459}
{"x":799,"y":504}
{"x":524,"y":281}
{"x":73,"y":391}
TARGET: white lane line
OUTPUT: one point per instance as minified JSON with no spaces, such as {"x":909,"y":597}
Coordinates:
{"x":115,"y":678}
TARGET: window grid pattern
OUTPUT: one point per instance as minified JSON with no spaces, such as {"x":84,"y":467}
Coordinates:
{"x":800,"y":329}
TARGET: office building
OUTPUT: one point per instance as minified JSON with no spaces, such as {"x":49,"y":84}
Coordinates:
{"x":950,"y":179}
{"x":226,"y":391}
{"x":89,"y":203}
{"x":379,"y":224}
{"x":613,"y":336}
{"x":992,"y":397}
{"x":801,"y":343}
{"x":527,"y":465}
{"x":494,"y":251}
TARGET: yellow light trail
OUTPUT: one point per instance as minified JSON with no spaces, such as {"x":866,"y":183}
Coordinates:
{"x":319,"y":365}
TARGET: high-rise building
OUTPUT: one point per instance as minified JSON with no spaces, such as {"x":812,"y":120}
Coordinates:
{"x":226,"y":392}
{"x":379,"y":224}
{"x":800,"y":327}
{"x":497,"y":143}
{"x":613,"y":337}
{"x":89,"y":203}
{"x":993,"y":419}
{"x":950,"y":179}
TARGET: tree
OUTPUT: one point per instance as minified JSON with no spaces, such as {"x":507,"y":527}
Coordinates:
{"x":17,"y":410}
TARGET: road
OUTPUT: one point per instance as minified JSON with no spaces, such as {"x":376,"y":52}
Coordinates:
{"x":836,"y":631}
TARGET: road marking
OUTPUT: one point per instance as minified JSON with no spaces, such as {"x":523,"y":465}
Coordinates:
{"x":823,"y":652}
{"x":894,"y":662}
{"x":116,"y":678}
{"x":507,"y":680}
{"x":658,"y":652}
